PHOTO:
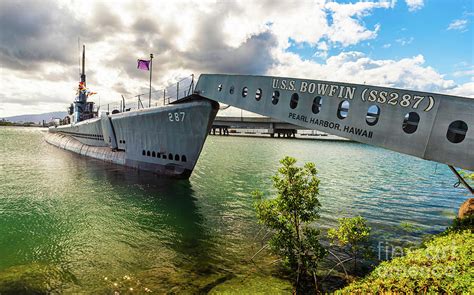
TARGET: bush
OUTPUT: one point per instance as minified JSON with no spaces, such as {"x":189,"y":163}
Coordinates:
{"x":352,"y":235}
{"x":466,"y":223}
{"x":443,"y":266}
{"x":289,"y":216}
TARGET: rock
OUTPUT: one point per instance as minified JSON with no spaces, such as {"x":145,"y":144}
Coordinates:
{"x":467,"y":208}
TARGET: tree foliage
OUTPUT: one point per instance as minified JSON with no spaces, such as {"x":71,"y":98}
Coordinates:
{"x":290,"y":215}
{"x":352,"y":234}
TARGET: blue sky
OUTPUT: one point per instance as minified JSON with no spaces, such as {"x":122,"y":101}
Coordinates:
{"x":404,"y":33}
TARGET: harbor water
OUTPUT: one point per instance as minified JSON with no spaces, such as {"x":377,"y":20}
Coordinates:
{"x":73,"y":224}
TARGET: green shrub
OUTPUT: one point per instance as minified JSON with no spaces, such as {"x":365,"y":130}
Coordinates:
{"x":443,"y":266}
{"x":466,"y":223}
{"x":352,"y":235}
{"x":289,"y":215}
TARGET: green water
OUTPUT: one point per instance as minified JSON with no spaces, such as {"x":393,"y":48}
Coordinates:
{"x":72,"y":224}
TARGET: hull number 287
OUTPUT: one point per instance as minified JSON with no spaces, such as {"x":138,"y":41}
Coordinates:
{"x":176,"y":117}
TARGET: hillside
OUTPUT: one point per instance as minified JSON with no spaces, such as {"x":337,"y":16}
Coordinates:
{"x":35,"y":117}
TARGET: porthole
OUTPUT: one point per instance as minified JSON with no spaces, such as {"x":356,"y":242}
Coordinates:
{"x":148,"y":153}
{"x":258,"y":94}
{"x":275,"y":97}
{"x":410,"y":122}
{"x":294,"y":100}
{"x":170,"y":156}
{"x":231,"y":90}
{"x":245,"y":91}
{"x":153,"y":154}
{"x":343,"y":109}
{"x":183,"y":158}
{"x":457,"y":131}
{"x":219,"y":88}
{"x":143,"y":152}
{"x":317,"y":101}
{"x":373,"y":114}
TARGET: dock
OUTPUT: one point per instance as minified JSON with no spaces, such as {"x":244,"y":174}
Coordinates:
{"x":265,"y":126}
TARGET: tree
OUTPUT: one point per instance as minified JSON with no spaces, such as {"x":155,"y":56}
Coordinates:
{"x":289,"y":216}
{"x":352,"y":233}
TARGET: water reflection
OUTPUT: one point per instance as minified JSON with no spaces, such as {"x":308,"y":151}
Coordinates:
{"x":151,"y":224}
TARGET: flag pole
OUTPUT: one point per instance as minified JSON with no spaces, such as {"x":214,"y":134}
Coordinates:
{"x":151,"y":70}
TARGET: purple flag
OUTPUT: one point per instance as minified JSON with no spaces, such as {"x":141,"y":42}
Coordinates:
{"x":143,"y":65}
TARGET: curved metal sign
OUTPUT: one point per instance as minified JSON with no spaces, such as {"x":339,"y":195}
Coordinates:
{"x":431,"y":126}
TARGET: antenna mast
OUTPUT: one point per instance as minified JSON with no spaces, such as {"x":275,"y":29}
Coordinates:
{"x":83,"y":74}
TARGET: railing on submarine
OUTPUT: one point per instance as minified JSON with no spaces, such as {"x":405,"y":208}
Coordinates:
{"x":170,"y":94}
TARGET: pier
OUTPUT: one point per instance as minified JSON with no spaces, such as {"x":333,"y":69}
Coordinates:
{"x":265,"y":126}
{"x":226,"y":125}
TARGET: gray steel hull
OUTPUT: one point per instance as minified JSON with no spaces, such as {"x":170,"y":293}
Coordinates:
{"x":166,"y":140}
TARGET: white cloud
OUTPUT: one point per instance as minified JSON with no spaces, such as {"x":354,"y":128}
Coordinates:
{"x":414,"y":5}
{"x":283,"y":19}
{"x":458,"y":24}
{"x":346,"y":27}
{"x":387,"y":45}
{"x":202,"y":36}
{"x":323,"y":46}
{"x":356,"y":67}
{"x":405,"y":41}
{"x":306,"y":22}
{"x":465,"y":90}
{"x":322,"y":49}
{"x":464,"y":73}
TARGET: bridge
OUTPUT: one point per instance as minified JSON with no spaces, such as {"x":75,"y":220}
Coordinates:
{"x":274,"y":127}
{"x":430,"y":126}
